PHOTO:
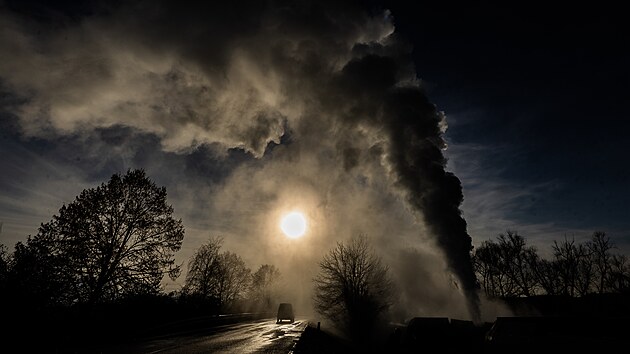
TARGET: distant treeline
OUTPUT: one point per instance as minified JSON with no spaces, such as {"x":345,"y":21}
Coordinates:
{"x":508,"y":267}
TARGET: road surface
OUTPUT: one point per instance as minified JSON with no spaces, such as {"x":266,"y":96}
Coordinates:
{"x":255,"y":336}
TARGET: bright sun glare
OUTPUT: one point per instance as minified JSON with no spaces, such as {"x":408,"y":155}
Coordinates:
{"x":293,"y":224}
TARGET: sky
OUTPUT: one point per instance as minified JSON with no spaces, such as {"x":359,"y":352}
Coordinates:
{"x":247,"y":112}
{"x":535,"y":98}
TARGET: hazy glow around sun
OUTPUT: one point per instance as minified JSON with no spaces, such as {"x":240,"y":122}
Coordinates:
{"x":293,"y":224}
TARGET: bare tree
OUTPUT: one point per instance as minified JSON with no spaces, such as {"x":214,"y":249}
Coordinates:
{"x":519,"y":261}
{"x":5,"y":260}
{"x":233,"y":279}
{"x":490,"y":270}
{"x":600,"y":247}
{"x":114,"y":240}
{"x":548,"y":276}
{"x":221,"y":277}
{"x":508,"y":267}
{"x":353,"y":287}
{"x":203,"y":268}
{"x":619,"y":280}
{"x":264,"y":281}
{"x":575,"y":270}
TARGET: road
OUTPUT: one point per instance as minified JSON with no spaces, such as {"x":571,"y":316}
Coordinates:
{"x":256,"y":336}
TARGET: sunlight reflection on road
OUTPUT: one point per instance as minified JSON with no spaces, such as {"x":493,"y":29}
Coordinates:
{"x":260,"y":336}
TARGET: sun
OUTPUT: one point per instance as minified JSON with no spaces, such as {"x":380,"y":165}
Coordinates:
{"x":293,"y":224}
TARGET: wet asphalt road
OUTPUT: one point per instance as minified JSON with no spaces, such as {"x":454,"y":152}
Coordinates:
{"x":257,"y":336}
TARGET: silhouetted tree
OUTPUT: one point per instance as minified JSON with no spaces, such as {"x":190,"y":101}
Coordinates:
{"x":353,"y":287}
{"x":221,"y":277}
{"x":508,"y":267}
{"x":619,"y":280}
{"x":548,"y":276}
{"x":263,"y":282}
{"x":233,"y":279}
{"x":573,"y":263}
{"x":4,"y":260}
{"x":519,"y":261}
{"x":4,"y":269}
{"x":203,"y":269}
{"x":489,"y":267}
{"x":39,"y":277}
{"x":600,"y":247}
{"x":114,"y":240}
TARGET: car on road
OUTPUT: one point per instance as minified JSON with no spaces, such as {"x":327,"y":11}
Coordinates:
{"x":285,"y":312}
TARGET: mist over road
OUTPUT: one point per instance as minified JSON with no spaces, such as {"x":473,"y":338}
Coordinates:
{"x":255,"y":336}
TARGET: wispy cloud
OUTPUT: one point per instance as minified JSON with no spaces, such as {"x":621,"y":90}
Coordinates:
{"x":494,"y":204}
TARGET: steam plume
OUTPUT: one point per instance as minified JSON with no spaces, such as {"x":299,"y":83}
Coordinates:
{"x":413,"y":130}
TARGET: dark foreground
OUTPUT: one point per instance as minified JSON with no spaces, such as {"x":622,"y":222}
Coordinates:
{"x":243,"y":334}
{"x":425,"y":335}
{"x":505,"y":335}
{"x":540,"y":324}
{"x":545,"y":324}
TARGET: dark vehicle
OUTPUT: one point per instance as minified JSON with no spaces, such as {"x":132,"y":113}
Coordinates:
{"x":285,"y":312}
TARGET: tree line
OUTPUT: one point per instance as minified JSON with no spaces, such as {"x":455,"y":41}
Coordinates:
{"x":508,"y":267}
{"x":222,"y":280}
{"x":118,"y":241}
